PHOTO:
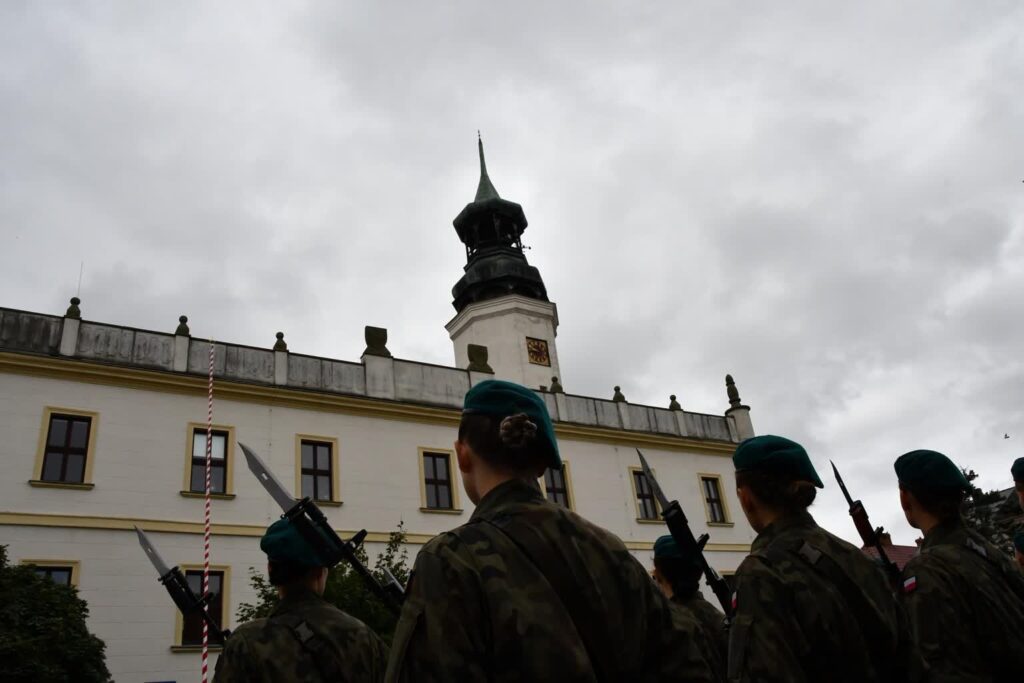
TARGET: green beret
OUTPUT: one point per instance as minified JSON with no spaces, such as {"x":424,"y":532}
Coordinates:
{"x":929,"y":471}
{"x":776,"y":454}
{"x":283,"y":543}
{"x":501,"y":399}
{"x":666,"y":546}
{"x":1018,"y":541}
{"x":1017,"y":469}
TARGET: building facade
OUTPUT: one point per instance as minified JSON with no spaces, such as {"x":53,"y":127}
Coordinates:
{"x":102,"y":428}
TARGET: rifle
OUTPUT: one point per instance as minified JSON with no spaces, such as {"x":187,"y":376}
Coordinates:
{"x":177,"y":585}
{"x":312,"y":524}
{"x":867,"y":532}
{"x":679,"y":527}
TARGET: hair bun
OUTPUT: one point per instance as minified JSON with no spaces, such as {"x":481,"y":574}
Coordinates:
{"x":517,"y":430}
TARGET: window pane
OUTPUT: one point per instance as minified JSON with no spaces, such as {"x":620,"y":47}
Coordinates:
{"x":197,"y":484}
{"x":61,"y":575}
{"x":307,"y":455}
{"x":307,"y":485}
{"x":216,"y":479}
{"x":219,"y":446}
{"x":199,"y":444}
{"x":79,"y":433}
{"x":51,"y":466}
{"x":58,"y":431}
{"x":323,"y":488}
{"x":75,"y":468}
{"x":431,"y":496}
{"x":323,"y":458}
{"x":444,"y":499}
{"x":442,"y":467}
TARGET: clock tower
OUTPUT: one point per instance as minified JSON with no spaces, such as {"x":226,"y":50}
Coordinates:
{"x":501,"y":301}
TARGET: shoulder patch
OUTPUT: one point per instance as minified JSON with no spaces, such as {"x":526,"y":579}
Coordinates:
{"x":734,"y":601}
{"x":910,"y":585}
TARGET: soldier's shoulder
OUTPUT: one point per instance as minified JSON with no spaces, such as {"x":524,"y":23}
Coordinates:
{"x":336,"y":619}
{"x":250,"y":630}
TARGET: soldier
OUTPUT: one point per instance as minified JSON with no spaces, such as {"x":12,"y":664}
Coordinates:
{"x":965,"y":598}
{"x":1018,"y":548}
{"x":1017,"y":470}
{"x":679,"y":579}
{"x":305,"y":638}
{"x":809,"y":606}
{"x":527,"y":590}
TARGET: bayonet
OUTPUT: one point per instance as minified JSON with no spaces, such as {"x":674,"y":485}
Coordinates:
{"x":177,"y":586}
{"x":679,"y":527}
{"x":311,"y":522}
{"x":866,"y":531}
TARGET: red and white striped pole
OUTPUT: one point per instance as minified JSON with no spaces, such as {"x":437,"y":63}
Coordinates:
{"x":206,"y":521}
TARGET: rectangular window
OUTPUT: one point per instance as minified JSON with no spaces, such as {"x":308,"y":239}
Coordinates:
{"x":712,"y":488}
{"x":192,"y":623}
{"x":437,"y":481}
{"x":67,"y":446}
{"x":556,"y":486}
{"x":57,"y":573}
{"x":317,"y":470}
{"x":218,"y":461}
{"x":645,"y":505}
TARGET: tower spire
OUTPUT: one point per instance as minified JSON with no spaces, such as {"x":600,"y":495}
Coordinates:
{"x":485,"y":190}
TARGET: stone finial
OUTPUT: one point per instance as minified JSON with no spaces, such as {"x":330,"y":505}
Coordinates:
{"x":73,"y":310}
{"x":478,"y":358}
{"x":733,"y":392}
{"x":280,"y":344}
{"x":182,"y":329}
{"x":556,"y":386}
{"x":376,"y":341}
{"x":618,"y":397}
{"x":673,"y":404}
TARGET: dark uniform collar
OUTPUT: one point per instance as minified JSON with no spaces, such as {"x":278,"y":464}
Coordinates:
{"x":801,"y":520}
{"x":294,"y":600}
{"x":505,"y":495}
{"x":950,"y":532}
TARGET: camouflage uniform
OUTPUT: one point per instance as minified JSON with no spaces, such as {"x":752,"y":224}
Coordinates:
{"x":334,"y":646}
{"x":811,"y":607}
{"x":965,"y":600}
{"x":711,"y":620}
{"x":529,"y":591}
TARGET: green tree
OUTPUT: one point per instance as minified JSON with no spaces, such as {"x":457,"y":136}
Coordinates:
{"x":43,"y":636}
{"x":345,"y":589}
{"x":981,"y":511}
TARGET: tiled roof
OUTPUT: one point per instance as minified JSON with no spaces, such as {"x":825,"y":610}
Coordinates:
{"x":900,"y":554}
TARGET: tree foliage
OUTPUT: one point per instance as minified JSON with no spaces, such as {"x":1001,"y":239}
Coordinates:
{"x":983,"y":513}
{"x":345,"y":589}
{"x":43,"y":635}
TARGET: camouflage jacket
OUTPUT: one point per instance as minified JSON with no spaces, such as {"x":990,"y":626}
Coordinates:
{"x":711,"y":621}
{"x":965,"y":600}
{"x":529,"y":591}
{"x":810,"y":607}
{"x":304,"y":639}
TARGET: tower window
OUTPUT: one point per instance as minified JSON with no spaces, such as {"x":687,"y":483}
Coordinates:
{"x":556,"y":486}
{"x":711,"y":487}
{"x":317,"y":470}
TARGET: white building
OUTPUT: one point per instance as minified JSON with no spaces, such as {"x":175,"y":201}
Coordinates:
{"x":99,"y":423}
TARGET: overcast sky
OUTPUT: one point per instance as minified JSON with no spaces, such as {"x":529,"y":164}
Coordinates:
{"x":823,"y":199}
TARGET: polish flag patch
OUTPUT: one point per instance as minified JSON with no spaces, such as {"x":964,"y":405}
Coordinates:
{"x":733,"y":602}
{"x":910,"y":585}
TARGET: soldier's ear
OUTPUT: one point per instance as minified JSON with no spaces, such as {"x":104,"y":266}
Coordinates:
{"x":462,"y":456}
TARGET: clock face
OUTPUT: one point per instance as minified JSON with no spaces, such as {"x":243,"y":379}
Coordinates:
{"x":537,"y":350}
